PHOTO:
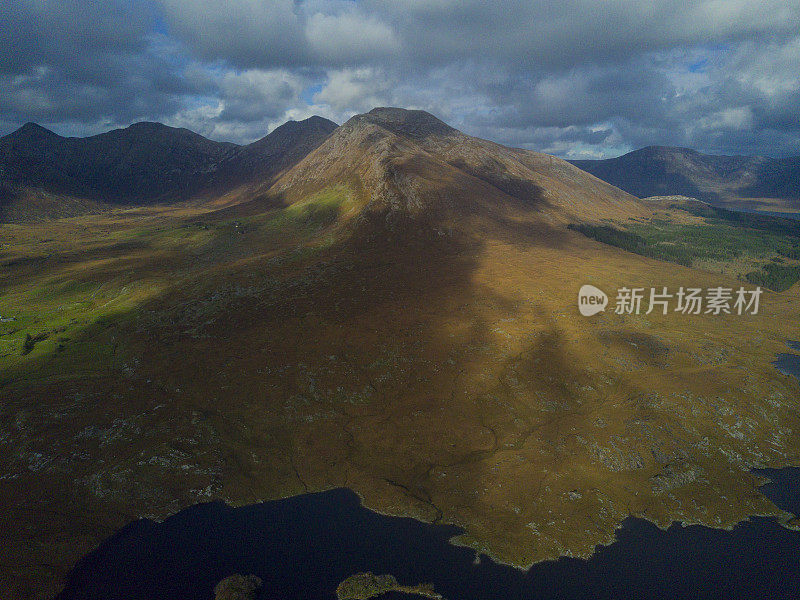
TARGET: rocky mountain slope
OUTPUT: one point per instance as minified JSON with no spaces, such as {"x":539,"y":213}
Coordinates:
{"x":412,"y":164}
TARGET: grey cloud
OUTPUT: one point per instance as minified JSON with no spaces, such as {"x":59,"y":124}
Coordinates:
{"x":244,"y":33}
{"x":556,"y":35}
{"x":256,"y":95}
{"x":97,"y":63}
{"x":68,"y":32}
{"x":281,"y":33}
{"x":576,"y":76}
{"x":133,"y":88}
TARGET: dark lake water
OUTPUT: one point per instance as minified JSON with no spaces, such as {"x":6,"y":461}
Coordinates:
{"x":789,"y":364}
{"x":783,"y":490}
{"x":302,"y":547}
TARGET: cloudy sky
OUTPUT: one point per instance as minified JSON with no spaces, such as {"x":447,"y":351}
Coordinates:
{"x":576,"y":78}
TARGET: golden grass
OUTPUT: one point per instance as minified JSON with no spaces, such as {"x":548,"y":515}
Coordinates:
{"x":437,"y":366}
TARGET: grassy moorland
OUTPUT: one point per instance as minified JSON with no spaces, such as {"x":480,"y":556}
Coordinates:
{"x":409,"y":332}
{"x":450,"y":382}
{"x":80,"y":274}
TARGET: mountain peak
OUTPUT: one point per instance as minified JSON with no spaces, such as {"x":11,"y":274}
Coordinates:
{"x":32,"y":130}
{"x":412,"y":123}
{"x":31,"y":126}
{"x":153,"y":133}
{"x":315,"y":123}
{"x":315,"y":127}
{"x":665,"y":151}
{"x":148,"y":126}
{"x":149,"y":161}
{"x":154,"y":128}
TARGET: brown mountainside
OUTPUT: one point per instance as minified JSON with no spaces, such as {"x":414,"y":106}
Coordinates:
{"x":411,"y":162}
{"x":395,"y":313}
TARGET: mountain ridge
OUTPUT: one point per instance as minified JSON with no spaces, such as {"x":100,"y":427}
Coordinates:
{"x":410,"y":162}
{"x":144,"y":163}
{"x":722,"y":179}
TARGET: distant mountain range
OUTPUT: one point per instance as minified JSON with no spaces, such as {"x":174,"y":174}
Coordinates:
{"x":142,"y":164}
{"x":740,"y":180}
{"x":43,"y":174}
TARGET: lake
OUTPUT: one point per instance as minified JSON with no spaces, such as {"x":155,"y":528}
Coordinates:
{"x":789,"y":364}
{"x":303,"y":547}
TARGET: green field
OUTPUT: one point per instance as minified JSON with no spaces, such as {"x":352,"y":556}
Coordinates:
{"x":760,"y":250}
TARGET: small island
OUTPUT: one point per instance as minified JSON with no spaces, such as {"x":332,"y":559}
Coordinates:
{"x":363,"y":586}
{"x":238,"y":587}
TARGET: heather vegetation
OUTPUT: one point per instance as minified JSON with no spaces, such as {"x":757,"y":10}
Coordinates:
{"x":379,"y":318}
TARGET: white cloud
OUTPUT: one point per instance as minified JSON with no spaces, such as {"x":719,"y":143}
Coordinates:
{"x":738,"y":118}
{"x":349,"y":38}
{"x":356,"y":89}
{"x":772,"y":69}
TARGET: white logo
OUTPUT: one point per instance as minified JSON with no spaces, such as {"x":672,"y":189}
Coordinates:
{"x":687,"y":301}
{"x":591,"y":300}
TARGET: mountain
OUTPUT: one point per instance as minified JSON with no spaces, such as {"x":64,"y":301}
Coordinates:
{"x":410,"y":164}
{"x":396,"y":312}
{"x":258,"y":162}
{"x":145,"y":162}
{"x":665,"y":171}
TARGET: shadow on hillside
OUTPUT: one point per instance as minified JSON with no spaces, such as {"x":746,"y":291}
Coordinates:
{"x":281,"y":355}
{"x":7,"y":197}
{"x":496,"y":175}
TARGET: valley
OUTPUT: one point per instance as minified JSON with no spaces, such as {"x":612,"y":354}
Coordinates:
{"x":750,"y":247}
